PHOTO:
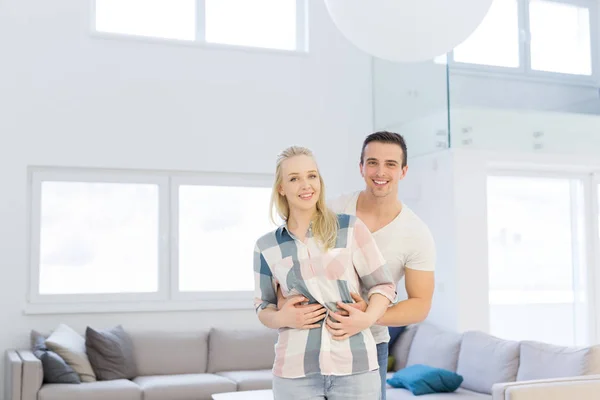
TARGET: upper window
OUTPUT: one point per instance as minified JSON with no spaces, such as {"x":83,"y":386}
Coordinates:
{"x":496,"y":40}
{"x":566,"y":50}
{"x":168,"y":19}
{"x":534,"y":37}
{"x":270,"y":24}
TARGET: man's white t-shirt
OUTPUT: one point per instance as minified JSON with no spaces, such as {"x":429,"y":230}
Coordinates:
{"x":406,"y":242}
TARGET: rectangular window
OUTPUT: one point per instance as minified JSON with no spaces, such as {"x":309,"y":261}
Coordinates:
{"x":167,"y":19}
{"x":257,"y":23}
{"x":496,"y":41}
{"x":565,"y":50}
{"x":268,"y":24}
{"x":550,"y":39}
{"x":134,"y":238}
{"x":218,"y":226}
{"x":98,"y":237}
{"x":537,"y":259}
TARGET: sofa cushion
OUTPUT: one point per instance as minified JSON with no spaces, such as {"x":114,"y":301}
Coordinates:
{"x":102,"y":390}
{"x":111,"y":353}
{"x":395,"y":332}
{"x":183,"y":387}
{"x":250,"y":380}
{"x":434,"y":347}
{"x":501,"y":361}
{"x":460,"y":393}
{"x":544,"y":361}
{"x":56,"y":370}
{"x":594,"y":365}
{"x":241,"y":349}
{"x":70,"y":345}
{"x":401,"y":347}
{"x":170,"y":353}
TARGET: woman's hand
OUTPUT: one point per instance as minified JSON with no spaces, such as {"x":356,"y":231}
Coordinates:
{"x":293,"y":314}
{"x":342,"y":327}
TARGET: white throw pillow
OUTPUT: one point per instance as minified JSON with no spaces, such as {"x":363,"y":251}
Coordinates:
{"x":70,"y":345}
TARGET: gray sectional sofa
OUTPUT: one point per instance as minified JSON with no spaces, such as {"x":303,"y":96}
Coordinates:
{"x":170,"y":366}
{"x":195,"y":365}
{"x":496,"y":369}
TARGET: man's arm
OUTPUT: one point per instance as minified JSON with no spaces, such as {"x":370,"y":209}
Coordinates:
{"x":419,"y":287}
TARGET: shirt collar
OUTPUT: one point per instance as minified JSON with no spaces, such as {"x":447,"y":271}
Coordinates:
{"x":285,"y":228}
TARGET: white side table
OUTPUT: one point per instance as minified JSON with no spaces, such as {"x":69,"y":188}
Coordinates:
{"x":245,"y":395}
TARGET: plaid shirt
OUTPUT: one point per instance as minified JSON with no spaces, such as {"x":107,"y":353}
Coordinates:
{"x":326,"y":278}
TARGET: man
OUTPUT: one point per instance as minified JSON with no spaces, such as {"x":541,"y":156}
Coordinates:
{"x":403,"y":239}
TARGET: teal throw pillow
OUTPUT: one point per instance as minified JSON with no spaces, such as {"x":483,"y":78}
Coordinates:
{"x":422,"y":379}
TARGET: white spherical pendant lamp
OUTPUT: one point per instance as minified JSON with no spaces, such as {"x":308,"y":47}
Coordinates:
{"x":407,"y":30}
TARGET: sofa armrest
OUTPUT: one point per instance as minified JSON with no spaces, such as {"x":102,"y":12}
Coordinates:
{"x":33,"y":375}
{"x":12,"y":371}
{"x":577,"y":387}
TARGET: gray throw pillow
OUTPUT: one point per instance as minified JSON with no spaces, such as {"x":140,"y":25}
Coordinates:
{"x":546,"y":361}
{"x":401,"y":348}
{"x":435,"y":347}
{"x":111,"y":353}
{"x":485,"y":360}
{"x":56,"y":370}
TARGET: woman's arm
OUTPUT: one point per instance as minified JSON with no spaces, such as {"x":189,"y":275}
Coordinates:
{"x":265,"y":297}
{"x":378,"y":305}
{"x":292,"y":314}
{"x":269,"y":317}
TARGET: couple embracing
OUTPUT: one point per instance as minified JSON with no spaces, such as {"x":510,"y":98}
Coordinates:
{"x":326,"y":278}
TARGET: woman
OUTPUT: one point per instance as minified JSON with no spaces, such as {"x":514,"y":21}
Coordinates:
{"x":322,"y":257}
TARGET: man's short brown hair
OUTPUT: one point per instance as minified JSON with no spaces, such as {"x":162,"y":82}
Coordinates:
{"x":385,"y":137}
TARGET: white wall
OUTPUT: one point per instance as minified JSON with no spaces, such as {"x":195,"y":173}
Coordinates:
{"x":479,"y":90}
{"x":67,"y":99}
{"x":471,"y":272}
{"x":448,"y":190}
{"x":439,"y":188}
{"x":516,"y":130}
{"x":428,"y":190}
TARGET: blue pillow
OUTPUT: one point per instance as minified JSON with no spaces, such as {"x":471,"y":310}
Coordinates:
{"x":422,"y":379}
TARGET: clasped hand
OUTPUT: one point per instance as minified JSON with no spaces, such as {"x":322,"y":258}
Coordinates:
{"x":294,"y":314}
{"x":350,"y":319}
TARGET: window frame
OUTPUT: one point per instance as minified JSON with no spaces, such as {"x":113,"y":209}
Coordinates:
{"x":167,"y":297}
{"x":302,"y":33}
{"x":525,"y":71}
{"x":591,"y":252}
{"x":594,"y":252}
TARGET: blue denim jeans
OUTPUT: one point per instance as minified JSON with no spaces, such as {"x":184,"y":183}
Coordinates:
{"x":363,"y":386}
{"x":382,"y":358}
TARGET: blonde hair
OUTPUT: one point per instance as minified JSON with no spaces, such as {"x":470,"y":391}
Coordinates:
{"x":325,"y":222}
